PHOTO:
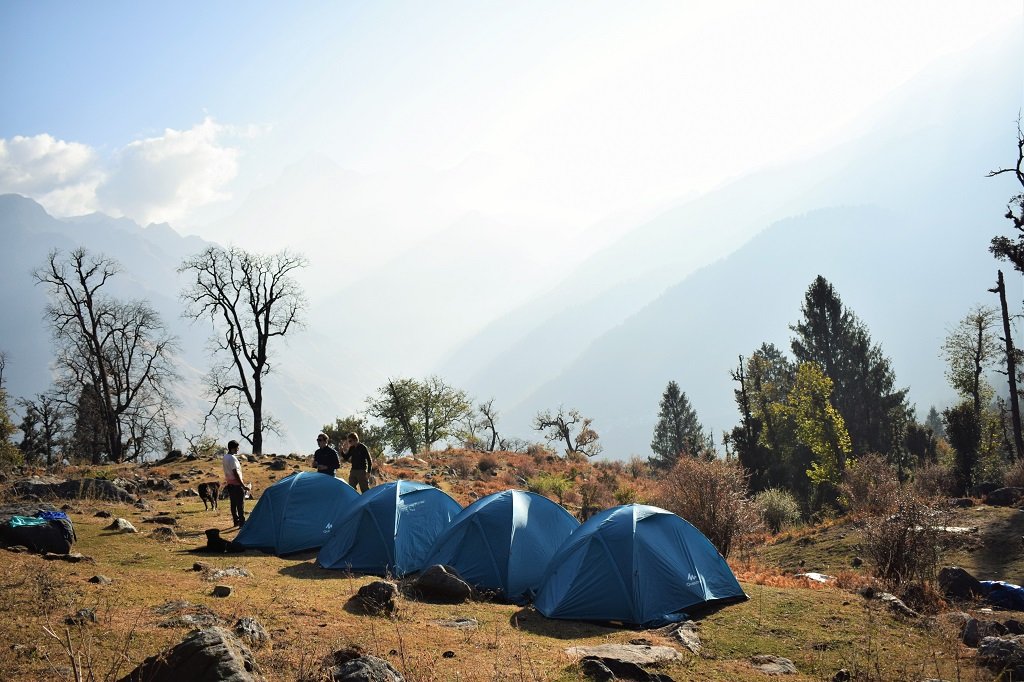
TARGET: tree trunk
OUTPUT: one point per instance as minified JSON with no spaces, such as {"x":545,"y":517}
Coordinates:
{"x":1011,"y":368}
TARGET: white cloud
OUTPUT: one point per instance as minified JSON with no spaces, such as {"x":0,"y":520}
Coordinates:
{"x":62,"y":176}
{"x":150,"y":180}
{"x":162,"y":178}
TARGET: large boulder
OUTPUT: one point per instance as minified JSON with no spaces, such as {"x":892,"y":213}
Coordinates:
{"x":366,"y":669}
{"x":1004,"y":654}
{"x":975,"y":630}
{"x":210,"y":655}
{"x":957,"y":583}
{"x":441,"y":584}
{"x":376,"y":598}
{"x":1004,"y":497}
{"x":89,"y":488}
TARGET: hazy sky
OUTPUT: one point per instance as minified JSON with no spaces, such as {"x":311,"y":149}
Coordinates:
{"x":545,"y":115}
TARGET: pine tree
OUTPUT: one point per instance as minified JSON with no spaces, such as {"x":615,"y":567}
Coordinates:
{"x":678,"y":430}
{"x":864,"y":393}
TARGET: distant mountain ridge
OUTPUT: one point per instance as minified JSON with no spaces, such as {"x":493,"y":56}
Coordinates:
{"x":609,"y":348}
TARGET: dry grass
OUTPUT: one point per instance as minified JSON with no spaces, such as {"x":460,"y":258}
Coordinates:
{"x":820,"y":627}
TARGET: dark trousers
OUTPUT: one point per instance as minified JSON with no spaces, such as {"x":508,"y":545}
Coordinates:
{"x":357,"y":477}
{"x":236,"y":494}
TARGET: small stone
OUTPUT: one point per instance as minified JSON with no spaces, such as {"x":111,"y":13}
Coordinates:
{"x":100,"y":580}
{"x":856,"y":562}
{"x":448,"y":654}
{"x":773,"y":665}
{"x":222,"y":591}
{"x":164,"y":534}
{"x":252,"y":631}
{"x":366,"y":669}
{"x":122,"y":526}
{"x":842,"y":675}
{"x":459,"y":623}
{"x":200,"y":566}
{"x":81,"y":617}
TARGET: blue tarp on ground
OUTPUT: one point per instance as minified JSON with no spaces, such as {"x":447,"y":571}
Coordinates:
{"x":1004,"y":595}
{"x":390,"y":529}
{"x":297,"y":513}
{"x":503,"y":542}
{"x":635,"y":564}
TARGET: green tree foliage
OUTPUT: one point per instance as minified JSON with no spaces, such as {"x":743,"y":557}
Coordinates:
{"x":921,"y":443}
{"x":369,"y":435}
{"x":964,"y":431}
{"x":10,"y":455}
{"x":972,"y":349}
{"x":817,"y":423}
{"x":934,"y":422}
{"x":678,"y":430}
{"x":416,"y":414}
{"x":864,"y":393}
{"x":764,"y":444}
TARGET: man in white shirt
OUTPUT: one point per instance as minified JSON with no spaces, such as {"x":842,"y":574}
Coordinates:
{"x":234,"y":484}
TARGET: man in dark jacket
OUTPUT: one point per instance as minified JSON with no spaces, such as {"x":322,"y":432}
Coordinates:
{"x":359,"y":456}
{"x":325,"y":459}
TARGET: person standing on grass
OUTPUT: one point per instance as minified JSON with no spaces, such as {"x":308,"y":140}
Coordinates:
{"x":359,"y":456}
{"x":234,"y":484}
{"x":325,"y":459}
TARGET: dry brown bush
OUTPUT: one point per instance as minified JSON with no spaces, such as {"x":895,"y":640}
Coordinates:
{"x":934,"y":480}
{"x":487,"y":463}
{"x":905,"y":546}
{"x":1013,"y":476}
{"x":869,"y":486}
{"x":712,"y":495}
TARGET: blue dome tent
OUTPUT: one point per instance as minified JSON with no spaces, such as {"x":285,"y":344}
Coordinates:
{"x":297,"y":513}
{"x":503,"y":542}
{"x":390,"y":529}
{"x":636,"y":564}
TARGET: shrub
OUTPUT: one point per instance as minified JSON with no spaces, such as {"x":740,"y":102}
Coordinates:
{"x":905,"y":545}
{"x":487,"y":463}
{"x":778,"y":508}
{"x":549,"y":485}
{"x":869,"y":485}
{"x":636,"y":467}
{"x":1013,"y":475}
{"x":462,"y":467}
{"x":934,"y":480}
{"x":712,"y":495}
{"x":625,"y":494}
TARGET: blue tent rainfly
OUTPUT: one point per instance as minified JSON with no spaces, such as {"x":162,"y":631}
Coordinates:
{"x":635,"y":564}
{"x":389,"y":530}
{"x":503,"y":542}
{"x":297,"y":513}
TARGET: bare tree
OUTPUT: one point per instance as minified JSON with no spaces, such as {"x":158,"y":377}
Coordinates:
{"x":120,"y":350}
{"x":489,"y":421}
{"x":3,"y":366}
{"x":561,"y":426}
{"x":251,"y":300}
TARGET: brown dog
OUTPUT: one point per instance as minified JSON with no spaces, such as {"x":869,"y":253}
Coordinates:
{"x":208,"y":493}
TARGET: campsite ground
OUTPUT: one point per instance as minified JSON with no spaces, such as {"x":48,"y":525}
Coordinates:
{"x":821,"y":628}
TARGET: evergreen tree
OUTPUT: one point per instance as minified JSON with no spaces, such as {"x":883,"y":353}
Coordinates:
{"x":864,"y":393}
{"x":765,"y":444}
{"x":964,"y":430}
{"x":678,"y":430}
{"x":934,"y":422}
{"x":32,"y":446}
{"x":10,"y":455}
